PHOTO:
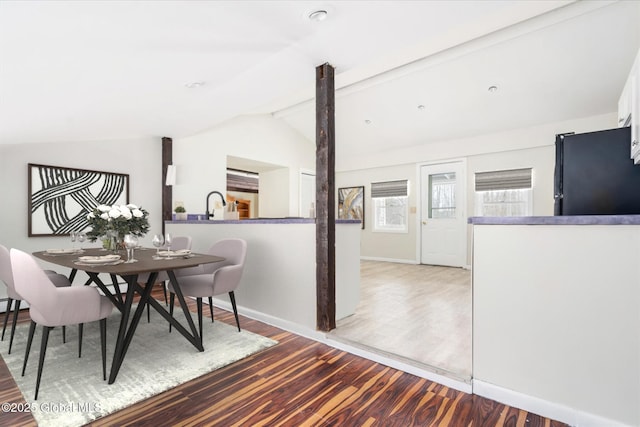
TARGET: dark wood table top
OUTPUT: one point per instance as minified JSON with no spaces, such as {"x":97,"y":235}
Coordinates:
{"x":145,"y":256}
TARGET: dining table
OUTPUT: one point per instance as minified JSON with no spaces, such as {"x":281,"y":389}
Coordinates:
{"x":147,"y":260}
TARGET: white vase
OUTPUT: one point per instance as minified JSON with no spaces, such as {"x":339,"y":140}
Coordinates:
{"x":181,"y":216}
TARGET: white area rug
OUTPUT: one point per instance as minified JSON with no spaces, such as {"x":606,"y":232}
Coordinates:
{"x":72,"y":392}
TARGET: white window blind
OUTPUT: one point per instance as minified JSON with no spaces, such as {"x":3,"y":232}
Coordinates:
{"x":389,"y":189}
{"x":504,"y":193}
{"x":514,"y":179}
{"x":390,"y":206}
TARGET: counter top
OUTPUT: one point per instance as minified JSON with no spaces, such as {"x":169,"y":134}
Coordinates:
{"x":557,"y":220}
{"x":290,"y":220}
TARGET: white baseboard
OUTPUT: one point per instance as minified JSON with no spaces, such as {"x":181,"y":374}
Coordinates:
{"x":325,"y":339}
{"x":271,"y":320}
{"x":542,"y":407}
{"x":400,"y":261}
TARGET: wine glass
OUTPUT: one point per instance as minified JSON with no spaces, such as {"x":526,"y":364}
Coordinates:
{"x":130,"y":242}
{"x":167,"y":241}
{"x":81,"y":237}
{"x":73,"y":235}
{"x":158,"y":241}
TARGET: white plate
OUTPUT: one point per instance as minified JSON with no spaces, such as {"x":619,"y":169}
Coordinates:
{"x":114,"y":262}
{"x":61,"y":251}
{"x":180,"y":252}
{"x":98,"y":259}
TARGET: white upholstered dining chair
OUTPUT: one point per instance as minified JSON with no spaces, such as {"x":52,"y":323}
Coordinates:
{"x":215,"y":279}
{"x":52,"y":306}
{"x":6,"y":276}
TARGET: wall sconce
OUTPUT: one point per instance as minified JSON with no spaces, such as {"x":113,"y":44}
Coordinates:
{"x":171,"y":175}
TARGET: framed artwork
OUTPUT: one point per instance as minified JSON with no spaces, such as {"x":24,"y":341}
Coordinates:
{"x":61,"y":198}
{"x":351,"y":203}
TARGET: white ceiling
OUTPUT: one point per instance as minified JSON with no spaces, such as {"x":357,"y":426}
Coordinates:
{"x":96,"y":70}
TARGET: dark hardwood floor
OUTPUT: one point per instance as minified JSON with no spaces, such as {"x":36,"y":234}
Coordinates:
{"x":300,"y":382}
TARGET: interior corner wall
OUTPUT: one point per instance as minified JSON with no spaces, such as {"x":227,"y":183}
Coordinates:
{"x":201,"y":160}
{"x":394,"y":247}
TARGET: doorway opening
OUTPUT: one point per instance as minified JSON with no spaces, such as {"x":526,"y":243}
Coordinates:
{"x":421,"y":314}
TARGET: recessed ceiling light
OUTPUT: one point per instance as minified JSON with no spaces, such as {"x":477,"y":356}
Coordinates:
{"x":318,"y":15}
{"x":421,"y":107}
{"x":367,"y":121}
{"x":493,"y":89}
{"x":194,"y":85}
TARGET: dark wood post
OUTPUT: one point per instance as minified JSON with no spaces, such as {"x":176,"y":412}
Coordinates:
{"x":167,"y":190}
{"x":325,"y":199}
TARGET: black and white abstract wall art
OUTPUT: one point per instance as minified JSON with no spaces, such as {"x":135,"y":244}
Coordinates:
{"x":60,"y":198}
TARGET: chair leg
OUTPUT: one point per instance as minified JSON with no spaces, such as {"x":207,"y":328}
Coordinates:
{"x":43,"y":351}
{"x":64,"y":334}
{"x":232,"y":297}
{"x":148,"y":312}
{"x":16,"y":311}
{"x":103,"y":344}
{"x":80,"y":330}
{"x":6,"y":317}
{"x":32,"y":329}
{"x":211,"y":308}
{"x":199,"y":304}
{"x":171,"y":302}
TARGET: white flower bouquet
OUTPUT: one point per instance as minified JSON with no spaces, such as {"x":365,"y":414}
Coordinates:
{"x":117,"y":220}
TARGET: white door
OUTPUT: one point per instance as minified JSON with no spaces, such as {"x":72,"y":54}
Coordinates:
{"x":442,"y":214}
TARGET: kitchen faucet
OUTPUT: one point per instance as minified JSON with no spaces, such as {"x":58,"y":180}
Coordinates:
{"x":224,"y":203}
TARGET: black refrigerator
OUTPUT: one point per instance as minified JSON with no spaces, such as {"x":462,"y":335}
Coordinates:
{"x":594,"y":174}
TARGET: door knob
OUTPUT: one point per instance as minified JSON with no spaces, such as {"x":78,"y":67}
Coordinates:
{"x":424,"y":222}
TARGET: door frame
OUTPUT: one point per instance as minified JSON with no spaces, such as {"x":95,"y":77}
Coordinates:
{"x":462,"y":205}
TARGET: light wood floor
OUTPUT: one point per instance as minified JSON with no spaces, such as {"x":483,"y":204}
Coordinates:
{"x":420,"y":313}
{"x":299,"y":382}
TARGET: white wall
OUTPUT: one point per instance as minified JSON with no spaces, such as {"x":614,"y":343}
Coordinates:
{"x":556,"y":318}
{"x":202,"y":161}
{"x":519,"y":148}
{"x":141,"y":159}
{"x":275,"y":194}
{"x":398,"y":247}
{"x":278,"y":284}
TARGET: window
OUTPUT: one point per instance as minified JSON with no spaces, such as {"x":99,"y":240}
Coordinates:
{"x":442,"y":195}
{"x":390,"y":206}
{"x":504,"y":193}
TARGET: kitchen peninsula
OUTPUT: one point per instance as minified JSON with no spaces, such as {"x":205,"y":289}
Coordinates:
{"x":556,"y":314}
{"x":279,"y":278}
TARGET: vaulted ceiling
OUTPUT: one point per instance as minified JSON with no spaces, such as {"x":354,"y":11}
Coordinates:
{"x":407,"y":72}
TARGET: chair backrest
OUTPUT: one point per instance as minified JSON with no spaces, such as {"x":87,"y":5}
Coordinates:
{"x":51,"y":305}
{"x":234,"y":251}
{"x":30,"y":280}
{"x":6,"y":273}
{"x":180,"y":242}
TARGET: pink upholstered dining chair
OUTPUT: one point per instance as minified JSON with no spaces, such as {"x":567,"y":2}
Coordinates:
{"x":216,"y":278}
{"x":6,"y":276}
{"x":51,"y":306}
